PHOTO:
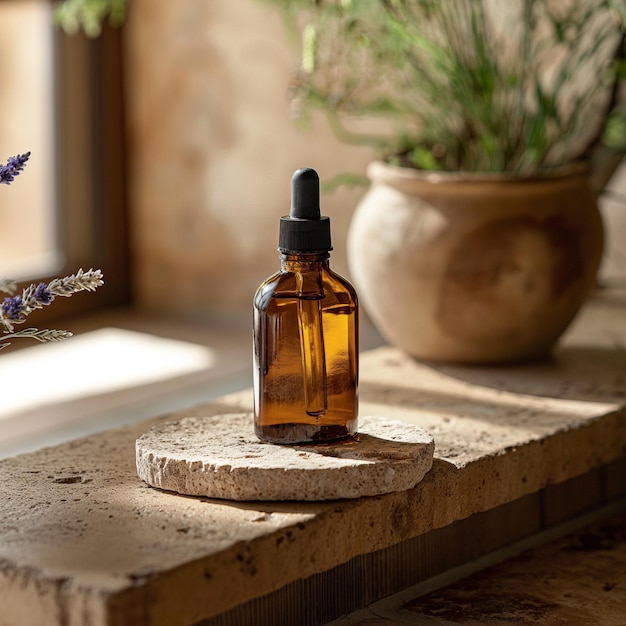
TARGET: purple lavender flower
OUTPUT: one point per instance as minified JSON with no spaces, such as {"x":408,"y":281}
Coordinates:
{"x":16,"y":309}
{"x":13,"y":309}
{"x":13,"y":168}
{"x":43,"y":295}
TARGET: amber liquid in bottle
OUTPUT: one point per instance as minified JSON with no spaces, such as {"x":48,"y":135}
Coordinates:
{"x":305,"y":353}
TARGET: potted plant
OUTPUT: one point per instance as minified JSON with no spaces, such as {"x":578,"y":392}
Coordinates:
{"x":479,"y":238}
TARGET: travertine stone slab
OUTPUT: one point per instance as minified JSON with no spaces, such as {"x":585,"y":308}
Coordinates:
{"x":220,"y":457}
{"x":83,"y":540}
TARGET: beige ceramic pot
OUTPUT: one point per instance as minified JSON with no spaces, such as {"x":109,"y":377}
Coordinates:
{"x":474,"y":268}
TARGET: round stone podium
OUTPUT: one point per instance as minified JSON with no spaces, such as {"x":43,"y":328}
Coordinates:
{"x":219,"y":456}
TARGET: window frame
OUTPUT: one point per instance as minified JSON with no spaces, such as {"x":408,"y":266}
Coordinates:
{"x":90,"y":162}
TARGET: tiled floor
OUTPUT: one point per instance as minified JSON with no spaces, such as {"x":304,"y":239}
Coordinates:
{"x":576,"y":580}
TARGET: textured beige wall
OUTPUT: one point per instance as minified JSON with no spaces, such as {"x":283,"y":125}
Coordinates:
{"x":213,"y":151}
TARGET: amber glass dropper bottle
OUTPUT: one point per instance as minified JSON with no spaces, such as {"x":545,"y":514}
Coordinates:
{"x":305,"y":333}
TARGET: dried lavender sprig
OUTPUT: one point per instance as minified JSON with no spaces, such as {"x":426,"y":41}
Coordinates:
{"x":81,"y":281}
{"x":15,"y":309}
{"x":13,"y":168}
{"x":34,"y":297}
{"x":37,"y":296}
{"x":11,"y":312}
{"x":43,"y":335}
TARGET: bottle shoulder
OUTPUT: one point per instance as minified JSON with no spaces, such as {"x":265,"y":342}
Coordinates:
{"x":341,"y":282}
{"x":322,"y":284}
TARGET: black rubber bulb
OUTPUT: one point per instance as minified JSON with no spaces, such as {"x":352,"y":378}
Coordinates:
{"x":305,"y":194}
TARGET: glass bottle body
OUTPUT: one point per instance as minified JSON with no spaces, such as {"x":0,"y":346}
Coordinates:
{"x":305,"y":353}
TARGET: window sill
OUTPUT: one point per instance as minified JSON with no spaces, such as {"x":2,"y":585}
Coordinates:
{"x":121,"y":366}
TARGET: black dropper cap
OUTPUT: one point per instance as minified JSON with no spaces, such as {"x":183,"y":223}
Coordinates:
{"x":304,"y":229}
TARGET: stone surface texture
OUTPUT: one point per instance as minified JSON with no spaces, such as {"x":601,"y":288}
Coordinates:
{"x":84,"y":541}
{"x":220,"y":457}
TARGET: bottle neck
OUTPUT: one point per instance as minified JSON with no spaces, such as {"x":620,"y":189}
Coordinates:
{"x":303,"y":261}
